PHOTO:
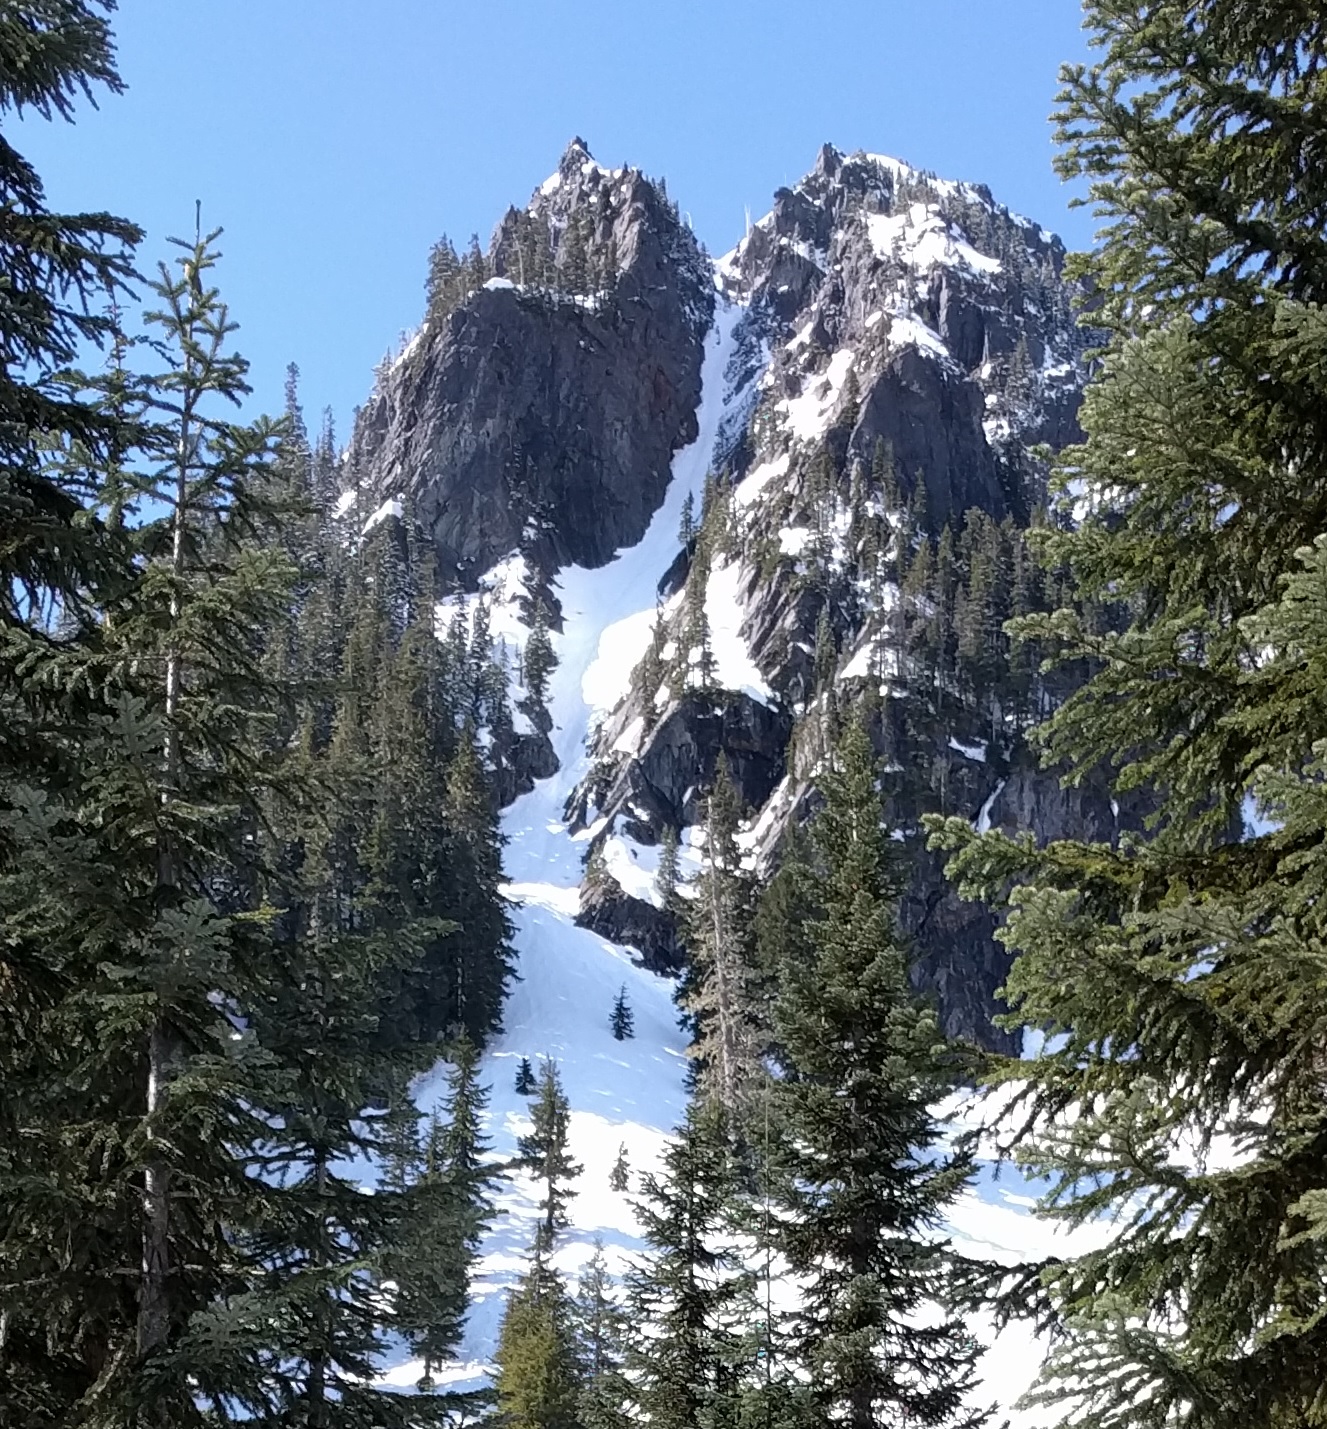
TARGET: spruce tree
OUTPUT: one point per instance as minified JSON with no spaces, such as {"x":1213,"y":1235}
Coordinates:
{"x":864,"y":1175}
{"x":1177,"y":965}
{"x":526,"y":1081}
{"x":622,"y":1021}
{"x":601,"y":1326}
{"x":538,"y":1383}
{"x":619,"y":1177}
{"x":545,"y":1151}
{"x":717,"y":989}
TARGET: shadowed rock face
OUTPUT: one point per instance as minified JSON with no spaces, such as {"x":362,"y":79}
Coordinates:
{"x":545,"y":421}
{"x":932,"y":419}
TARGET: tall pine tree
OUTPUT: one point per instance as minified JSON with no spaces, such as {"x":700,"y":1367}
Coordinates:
{"x":1182,"y":969}
{"x":864,"y":1176}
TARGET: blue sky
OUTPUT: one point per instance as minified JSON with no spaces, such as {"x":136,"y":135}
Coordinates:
{"x":336,"y":139}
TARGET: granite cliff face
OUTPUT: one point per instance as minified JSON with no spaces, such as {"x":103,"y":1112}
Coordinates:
{"x":898,"y":345}
{"x":543,"y":418}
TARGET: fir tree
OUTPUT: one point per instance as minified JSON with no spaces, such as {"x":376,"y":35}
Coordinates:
{"x":716,"y":992}
{"x":526,"y":1081}
{"x":1175,"y":965}
{"x":574,"y":254}
{"x":668,"y":875}
{"x":686,"y":532}
{"x":863,"y":1179}
{"x":540,"y":659}
{"x":689,"y":1301}
{"x":448,"y":1209}
{"x":600,"y":1333}
{"x":538,"y":1383}
{"x":67,"y":1315}
{"x":622,"y":1021}
{"x":619,"y":1177}
{"x":545,"y":1152}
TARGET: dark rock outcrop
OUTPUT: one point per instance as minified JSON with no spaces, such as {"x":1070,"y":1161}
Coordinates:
{"x":546,"y":420}
{"x":633,"y":923}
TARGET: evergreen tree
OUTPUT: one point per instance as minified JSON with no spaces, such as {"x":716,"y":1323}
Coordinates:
{"x":622,"y":1020}
{"x":525,"y":1078}
{"x":600,"y":1332}
{"x":689,"y":1301}
{"x":540,"y":659}
{"x":864,"y":1180}
{"x":65,"y":1318}
{"x":538,"y":1383}
{"x":686,"y":532}
{"x":716,"y":991}
{"x":1177,"y":966}
{"x":447,"y":1211}
{"x":619,"y":1178}
{"x":65,"y":274}
{"x":545,"y":1152}
{"x":574,"y":254}
{"x":668,"y":876}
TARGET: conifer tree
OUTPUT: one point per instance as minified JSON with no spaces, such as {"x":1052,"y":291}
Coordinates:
{"x":716,"y":991}
{"x":619,"y":1177}
{"x":545,"y":1151}
{"x":864,"y":1179}
{"x":65,"y":1319}
{"x":538,"y":1383}
{"x":686,"y":532}
{"x":600,"y":1333}
{"x":540,"y":659}
{"x":65,"y":275}
{"x":622,"y":1020}
{"x":668,"y":875}
{"x":526,"y":1081}
{"x":447,"y":1210}
{"x":1177,"y":966}
{"x":689,"y":1300}
{"x":574,"y":255}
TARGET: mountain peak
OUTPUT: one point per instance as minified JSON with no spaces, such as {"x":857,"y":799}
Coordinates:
{"x":574,"y":155}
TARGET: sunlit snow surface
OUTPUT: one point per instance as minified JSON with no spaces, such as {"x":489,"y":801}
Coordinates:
{"x":631,"y":1092}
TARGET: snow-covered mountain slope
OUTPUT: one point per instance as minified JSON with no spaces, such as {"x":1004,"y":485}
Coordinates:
{"x":910,"y":342}
{"x":876,"y":310}
{"x":631,"y":1093}
{"x":628,"y":1092}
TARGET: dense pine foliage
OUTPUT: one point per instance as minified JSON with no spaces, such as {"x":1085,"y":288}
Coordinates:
{"x":248,"y":857}
{"x":1181,"y":972}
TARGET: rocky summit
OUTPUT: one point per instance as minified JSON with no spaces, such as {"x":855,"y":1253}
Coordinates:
{"x":894,"y":354}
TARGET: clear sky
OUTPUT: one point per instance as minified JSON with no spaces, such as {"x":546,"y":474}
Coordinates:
{"x":336,"y":139}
